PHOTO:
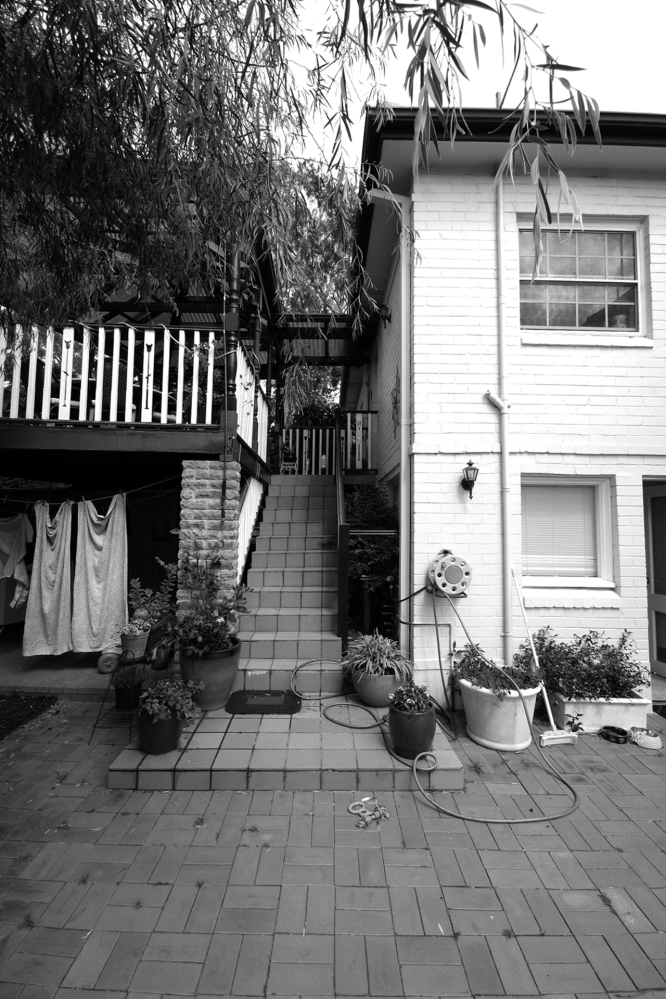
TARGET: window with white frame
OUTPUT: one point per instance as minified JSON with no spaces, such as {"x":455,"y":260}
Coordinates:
{"x":587,"y":281}
{"x":566,"y":531}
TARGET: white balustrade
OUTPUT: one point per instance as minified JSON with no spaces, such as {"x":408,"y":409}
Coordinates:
{"x":311,"y":451}
{"x":262,"y":424}
{"x":245,"y":392}
{"x":247,"y":519}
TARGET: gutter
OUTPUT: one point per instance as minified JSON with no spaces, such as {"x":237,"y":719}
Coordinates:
{"x":499,"y":401}
{"x":405,"y":206}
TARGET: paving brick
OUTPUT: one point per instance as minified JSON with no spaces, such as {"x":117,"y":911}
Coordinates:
{"x":351,"y":970}
{"x":428,"y":980}
{"x":545,"y":950}
{"x":47,"y":940}
{"x":434,"y":912}
{"x":320,"y":912}
{"x":610,"y":972}
{"x":36,"y":969}
{"x":439,"y":950}
{"x":257,"y":921}
{"x":220,"y":965}
{"x":346,"y":870}
{"x":122,"y":962}
{"x":124,"y":917}
{"x":565,"y":979}
{"x":252,"y":965}
{"x":635,"y":962}
{"x":545,"y":910}
{"x":203,"y":917}
{"x":179,"y":978}
{"x":383,"y":969}
{"x":479,"y":966}
{"x":405,"y":910}
{"x":88,"y":966}
{"x":478,"y":923}
{"x":512,"y":967}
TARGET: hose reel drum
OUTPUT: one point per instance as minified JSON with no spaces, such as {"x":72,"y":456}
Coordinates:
{"x":449,"y":575}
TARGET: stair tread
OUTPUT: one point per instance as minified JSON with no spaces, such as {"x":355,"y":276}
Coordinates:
{"x":296,"y":589}
{"x":288,"y":636}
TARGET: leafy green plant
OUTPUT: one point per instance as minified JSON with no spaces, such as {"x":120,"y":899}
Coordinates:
{"x":171,"y":696}
{"x":150,"y":605}
{"x":478,"y":669}
{"x":588,"y":667}
{"x":129,"y":676}
{"x":412,"y":698}
{"x":136,"y":626}
{"x":210,"y":622}
{"x":375,"y":655}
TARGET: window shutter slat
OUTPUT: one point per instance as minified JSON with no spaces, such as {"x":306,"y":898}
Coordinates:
{"x":559,"y":530}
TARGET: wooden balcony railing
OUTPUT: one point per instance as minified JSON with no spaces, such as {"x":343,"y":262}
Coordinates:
{"x":312,"y":451}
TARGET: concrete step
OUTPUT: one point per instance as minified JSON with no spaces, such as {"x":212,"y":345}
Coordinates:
{"x":280,"y":619}
{"x":311,"y":542}
{"x":295,"y":560}
{"x":304,"y":576}
{"x":276,"y":674}
{"x":317,"y":597}
{"x":302,"y":529}
{"x":302,"y":485}
{"x":285,"y":515}
{"x":294,"y":645}
{"x":288,"y":501}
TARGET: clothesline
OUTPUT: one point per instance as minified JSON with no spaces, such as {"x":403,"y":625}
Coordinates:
{"x":27,"y":504}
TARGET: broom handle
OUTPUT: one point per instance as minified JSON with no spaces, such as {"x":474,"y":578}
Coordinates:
{"x":534,"y":654}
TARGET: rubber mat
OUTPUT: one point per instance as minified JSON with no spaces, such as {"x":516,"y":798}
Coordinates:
{"x":263,"y":702}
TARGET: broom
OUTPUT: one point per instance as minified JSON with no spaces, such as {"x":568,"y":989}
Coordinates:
{"x":556,"y":736}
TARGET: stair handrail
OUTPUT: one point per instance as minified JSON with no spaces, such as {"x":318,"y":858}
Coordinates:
{"x":343,"y":541}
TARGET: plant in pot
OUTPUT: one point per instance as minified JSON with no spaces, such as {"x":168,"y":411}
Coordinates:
{"x":154,"y":605}
{"x":412,"y":720}
{"x":134,"y":638}
{"x":376,"y":667}
{"x":591,"y":678}
{"x":494,"y":710}
{"x":207,"y":628}
{"x":167,"y":705}
{"x":128,"y":682}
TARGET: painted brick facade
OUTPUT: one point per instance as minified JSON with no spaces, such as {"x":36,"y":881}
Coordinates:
{"x":596,"y":407}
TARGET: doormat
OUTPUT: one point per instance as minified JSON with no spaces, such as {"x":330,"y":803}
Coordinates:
{"x":263,"y":702}
{"x":17,"y":709}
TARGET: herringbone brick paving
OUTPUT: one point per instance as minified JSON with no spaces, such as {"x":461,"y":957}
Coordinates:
{"x":109,"y":894}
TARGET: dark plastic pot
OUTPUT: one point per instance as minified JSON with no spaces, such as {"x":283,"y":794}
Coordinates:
{"x":157,"y":737}
{"x":218,"y":671}
{"x":127,"y":698}
{"x":412,"y":733}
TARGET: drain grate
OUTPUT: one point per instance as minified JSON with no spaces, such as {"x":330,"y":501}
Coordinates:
{"x":263,"y":702}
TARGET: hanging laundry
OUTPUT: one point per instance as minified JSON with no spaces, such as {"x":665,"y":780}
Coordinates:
{"x":15,"y":533}
{"x":100,"y":577}
{"x":48,"y":619}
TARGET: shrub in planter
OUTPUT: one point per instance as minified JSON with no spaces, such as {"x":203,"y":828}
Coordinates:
{"x":376,"y":667}
{"x":167,"y":705}
{"x":154,"y":605}
{"x":127,"y":682}
{"x":134,"y":637}
{"x":494,"y":711}
{"x":590,"y":679}
{"x":412,"y":720}
{"x":206,"y":630}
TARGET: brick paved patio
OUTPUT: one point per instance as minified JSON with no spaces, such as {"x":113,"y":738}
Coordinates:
{"x":107,"y":894}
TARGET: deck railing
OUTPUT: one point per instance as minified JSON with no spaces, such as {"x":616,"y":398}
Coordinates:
{"x":127,"y":375}
{"x":343,"y":542}
{"x":251,"y":501}
{"x":312,"y":451}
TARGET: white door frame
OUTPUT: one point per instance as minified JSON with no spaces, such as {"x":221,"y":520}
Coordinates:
{"x":656,"y":602}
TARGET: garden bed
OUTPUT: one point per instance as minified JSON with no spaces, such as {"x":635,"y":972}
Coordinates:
{"x":17,"y":709}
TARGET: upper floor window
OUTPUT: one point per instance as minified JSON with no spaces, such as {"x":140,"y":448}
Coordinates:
{"x":587,"y":281}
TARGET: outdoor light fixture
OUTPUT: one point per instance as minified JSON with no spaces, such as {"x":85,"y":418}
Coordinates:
{"x":385,"y":314}
{"x":470,"y":472}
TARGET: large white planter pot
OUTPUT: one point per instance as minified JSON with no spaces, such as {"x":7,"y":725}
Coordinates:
{"x":624,"y":712}
{"x":498,"y":723}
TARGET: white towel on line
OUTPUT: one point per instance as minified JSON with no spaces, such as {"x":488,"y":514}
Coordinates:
{"x":100,"y":576}
{"x":48,"y":618}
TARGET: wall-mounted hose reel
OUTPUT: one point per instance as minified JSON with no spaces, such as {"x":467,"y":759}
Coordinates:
{"x":449,"y":574}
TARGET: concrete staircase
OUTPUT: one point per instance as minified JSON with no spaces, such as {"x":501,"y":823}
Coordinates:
{"x":293,"y":580}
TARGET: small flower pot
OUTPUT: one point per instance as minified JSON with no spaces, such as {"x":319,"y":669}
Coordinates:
{"x":127,"y":698}
{"x":158,"y":737}
{"x":135,"y":645}
{"x":218,"y":671}
{"x":375,"y":689}
{"x":412,"y":732}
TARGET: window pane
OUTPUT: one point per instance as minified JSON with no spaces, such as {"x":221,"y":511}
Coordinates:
{"x":560,"y":314}
{"x":593,"y":267}
{"x":589,"y":314}
{"x":526,"y":252}
{"x":532,"y":314}
{"x":532,"y":292}
{"x":559,"y":530}
{"x":591,"y":244}
{"x":561,"y":256}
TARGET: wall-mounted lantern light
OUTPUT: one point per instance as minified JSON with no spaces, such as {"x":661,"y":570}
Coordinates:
{"x":470,"y":472}
{"x":385,"y":314}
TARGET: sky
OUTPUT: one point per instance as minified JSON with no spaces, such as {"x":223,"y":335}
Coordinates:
{"x":619,"y":45}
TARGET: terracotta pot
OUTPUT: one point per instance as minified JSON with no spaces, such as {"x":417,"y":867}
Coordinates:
{"x":412,"y":732}
{"x":157,"y":737}
{"x":498,"y":723}
{"x":134,"y":644}
{"x":218,"y":671}
{"x":375,"y":689}
{"x":127,"y":698}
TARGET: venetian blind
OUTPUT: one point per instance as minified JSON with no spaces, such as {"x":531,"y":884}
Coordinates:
{"x":559,"y":530}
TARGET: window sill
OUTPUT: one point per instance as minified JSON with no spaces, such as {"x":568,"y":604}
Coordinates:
{"x":543,"y":338}
{"x":571,"y":598}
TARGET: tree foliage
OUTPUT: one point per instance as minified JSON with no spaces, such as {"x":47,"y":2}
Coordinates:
{"x":139,"y":139}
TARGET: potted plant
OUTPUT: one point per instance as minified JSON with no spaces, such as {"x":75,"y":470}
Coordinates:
{"x":167,"y":705}
{"x":154,"y":605}
{"x":376,"y":667}
{"x":494,"y":710}
{"x":207,"y":628}
{"x":128,"y":682}
{"x":591,"y":679}
{"x":134,"y":638}
{"x":412,"y":720}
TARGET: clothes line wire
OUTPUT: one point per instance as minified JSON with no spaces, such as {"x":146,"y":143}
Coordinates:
{"x":27,"y":504}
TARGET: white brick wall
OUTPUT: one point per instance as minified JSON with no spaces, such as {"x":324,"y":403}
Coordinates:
{"x":386,"y":365}
{"x":593,"y":410}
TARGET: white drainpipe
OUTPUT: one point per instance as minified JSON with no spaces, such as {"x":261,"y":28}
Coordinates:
{"x":405,"y":205}
{"x":503,"y":407}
